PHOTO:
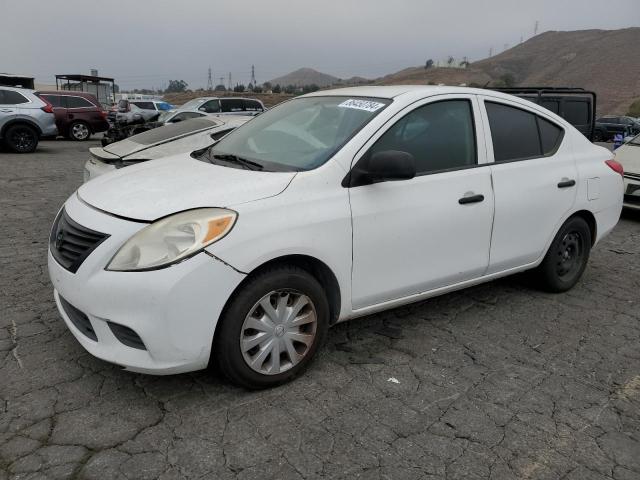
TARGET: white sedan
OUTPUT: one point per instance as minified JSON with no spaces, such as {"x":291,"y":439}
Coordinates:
{"x":330,"y":206}
{"x":181,"y":137}
{"x":629,"y":156}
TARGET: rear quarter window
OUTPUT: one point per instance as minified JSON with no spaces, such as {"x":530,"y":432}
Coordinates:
{"x":79,"y":102}
{"x":144,"y":105}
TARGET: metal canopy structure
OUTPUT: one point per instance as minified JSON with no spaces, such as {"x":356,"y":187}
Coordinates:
{"x":88,"y":83}
{"x":13,"y":80}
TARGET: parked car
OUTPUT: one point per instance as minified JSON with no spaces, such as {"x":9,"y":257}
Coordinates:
{"x":175,"y":116}
{"x":609,"y":125}
{"x":183,"y":137}
{"x":330,"y":206}
{"x":78,"y":114}
{"x":128,"y":112}
{"x":629,"y":156}
{"x":24,"y":119}
{"x":225,"y":105}
{"x":157,"y":105}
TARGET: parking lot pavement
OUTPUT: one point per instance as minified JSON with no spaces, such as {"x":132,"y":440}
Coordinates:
{"x":499,"y":381}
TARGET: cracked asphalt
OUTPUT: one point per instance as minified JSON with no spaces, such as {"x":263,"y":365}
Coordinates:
{"x":499,"y":381}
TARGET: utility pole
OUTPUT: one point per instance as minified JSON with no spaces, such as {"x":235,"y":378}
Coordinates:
{"x":535,"y":28}
{"x":221,"y":81}
{"x":229,"y":80}
{"x":253,"y":75}
{"x":209,"y":81}
{"x":490,"y":52}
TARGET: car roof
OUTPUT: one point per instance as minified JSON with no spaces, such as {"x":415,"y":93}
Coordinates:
{"x":17,"y":89}
{"x":394,"y":91}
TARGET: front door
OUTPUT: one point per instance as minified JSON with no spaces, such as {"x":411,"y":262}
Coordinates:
{"x":434,"y":230}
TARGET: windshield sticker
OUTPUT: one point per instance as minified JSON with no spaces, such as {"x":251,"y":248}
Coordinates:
{"x":367,"y":105}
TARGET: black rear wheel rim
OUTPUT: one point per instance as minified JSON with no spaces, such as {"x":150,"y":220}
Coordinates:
{"x":23,"y":140}
{"x":570,"y":254}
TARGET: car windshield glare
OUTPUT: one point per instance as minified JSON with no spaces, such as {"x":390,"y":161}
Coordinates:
{"x":301,"y":134}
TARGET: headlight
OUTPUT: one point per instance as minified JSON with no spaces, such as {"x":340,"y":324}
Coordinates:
{"x":172,"y":239}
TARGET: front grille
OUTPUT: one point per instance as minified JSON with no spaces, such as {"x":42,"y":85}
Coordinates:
{"x":79,"y":319}
{"x":126,"y":336}
{"x":72,"y":243}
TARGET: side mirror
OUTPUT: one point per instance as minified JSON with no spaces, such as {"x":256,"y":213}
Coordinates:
{"x":385,"y":166}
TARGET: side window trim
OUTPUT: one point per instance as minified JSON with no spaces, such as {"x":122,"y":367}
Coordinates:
{"x":479,"y":128}
{"x":509,"y":103}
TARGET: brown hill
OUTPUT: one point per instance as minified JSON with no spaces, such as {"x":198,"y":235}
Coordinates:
{"x":305,"y":76}
{"x":600,"y":60}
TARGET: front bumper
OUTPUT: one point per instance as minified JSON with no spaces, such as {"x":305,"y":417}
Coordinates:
{"x":632,"y":191}
{"x":173,"y":310}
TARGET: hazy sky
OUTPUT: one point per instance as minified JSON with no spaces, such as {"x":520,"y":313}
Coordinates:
{"x":144,"y":43}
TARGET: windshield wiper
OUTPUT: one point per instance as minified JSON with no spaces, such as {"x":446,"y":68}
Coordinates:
{"x":248,"y":164}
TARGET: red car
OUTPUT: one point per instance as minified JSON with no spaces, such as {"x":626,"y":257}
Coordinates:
{"x":78,"y":114}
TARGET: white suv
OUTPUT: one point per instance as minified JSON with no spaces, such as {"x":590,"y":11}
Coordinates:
{"x":24,"y":119}
{"x":330,"y":206}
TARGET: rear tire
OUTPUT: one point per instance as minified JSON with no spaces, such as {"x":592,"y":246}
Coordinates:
{"x":567,"y":257}
{"x":292,"y":325}
{"x":79,"y":131}
{"x":21,"y":138}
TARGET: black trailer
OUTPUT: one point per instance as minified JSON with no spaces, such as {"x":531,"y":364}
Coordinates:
{"x":576,"y":105}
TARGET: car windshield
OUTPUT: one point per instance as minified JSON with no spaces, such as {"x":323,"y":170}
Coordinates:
{"x":301,"y":134}
{"x":193,"y":104}
{"x":164,"y":116}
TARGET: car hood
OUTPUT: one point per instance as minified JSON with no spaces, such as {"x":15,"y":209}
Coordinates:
{"x":152,"y":190}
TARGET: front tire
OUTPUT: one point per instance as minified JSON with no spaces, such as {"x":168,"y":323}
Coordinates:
{"x":567,"y":257}
{"x":21,"y":139}
{"x":271,"y":329}
{"x":79,"y":131}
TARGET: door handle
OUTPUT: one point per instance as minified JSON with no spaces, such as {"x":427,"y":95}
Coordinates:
{"x":471,"y":199}
{"x":566,"y":183}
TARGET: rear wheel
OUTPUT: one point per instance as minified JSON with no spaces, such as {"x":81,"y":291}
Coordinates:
{"x":272,"y":328}
{"x":21,"y":138}
{"x":79,"y":131}
{"x":567,"y":256}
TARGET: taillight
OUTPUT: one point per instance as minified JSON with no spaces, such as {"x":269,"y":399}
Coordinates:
{"x":615,"y":166}
{"x":48,"y":107}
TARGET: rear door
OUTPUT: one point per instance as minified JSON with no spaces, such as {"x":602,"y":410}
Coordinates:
{"x":534,"y":181}
{"x":8,"y":110}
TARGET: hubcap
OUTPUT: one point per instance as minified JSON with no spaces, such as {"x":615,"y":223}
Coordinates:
{"x":569,"y":254}
{"x":80,"y":131}
{"x":278,"y":332}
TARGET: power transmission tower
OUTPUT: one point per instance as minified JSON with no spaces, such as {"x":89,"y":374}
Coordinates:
{"x":253,"y":76}
{"x":535,"y":28}
{"x":221,"y":81}
{"x":209,"y":81}
{"x":229,"y":80}
{"x":491,"y":52}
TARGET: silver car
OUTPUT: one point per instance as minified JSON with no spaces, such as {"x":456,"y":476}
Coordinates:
{"x":24,"y":119}
{"x":225,"y":105}
{"x":171,"y":139}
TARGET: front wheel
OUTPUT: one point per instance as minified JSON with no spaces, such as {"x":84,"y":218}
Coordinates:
{"x":79,"y":131}
{"x":272,"y":328}
{"x":567,"y":257}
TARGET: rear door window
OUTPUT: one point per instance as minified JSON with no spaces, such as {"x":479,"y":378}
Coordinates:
{"x":232,"y":105}
{"x":518,"y":134}
{"x":79,"y":102}
{"x":9,"y":97}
